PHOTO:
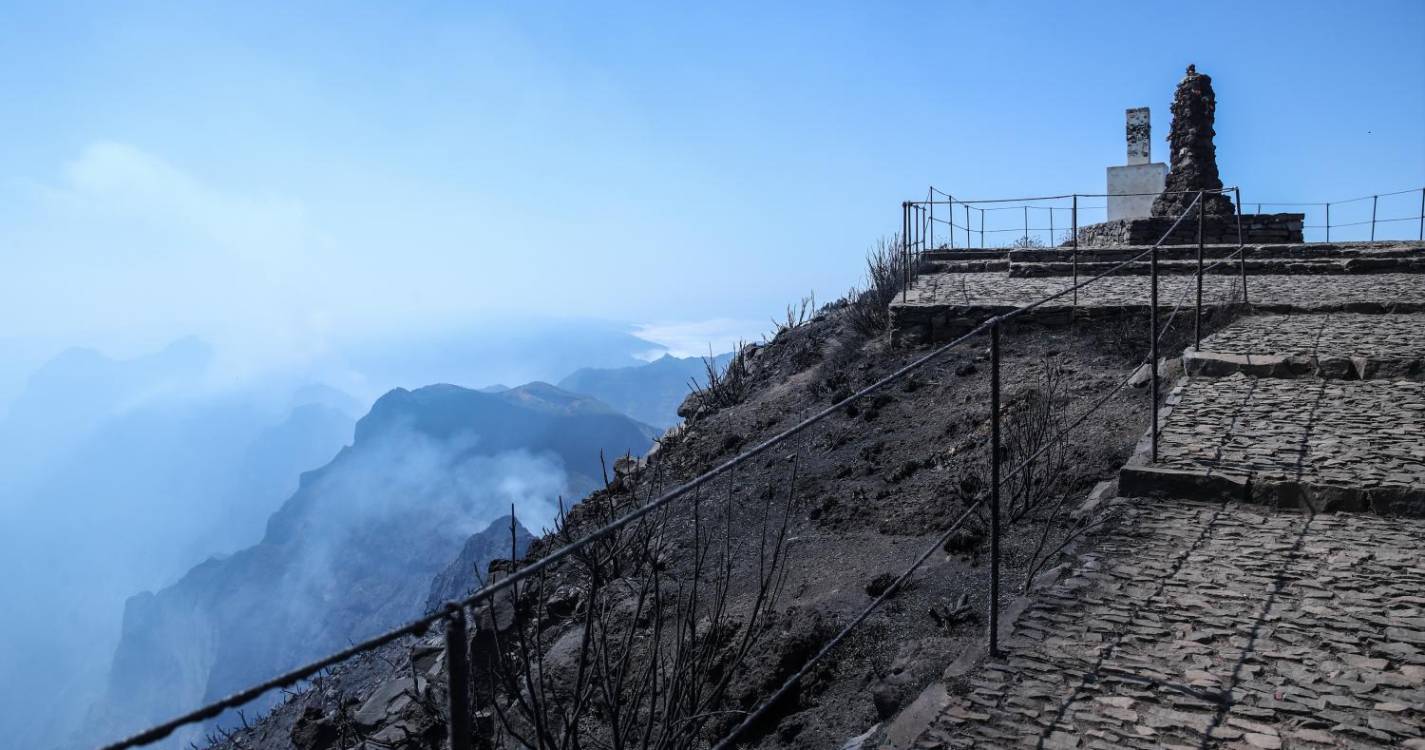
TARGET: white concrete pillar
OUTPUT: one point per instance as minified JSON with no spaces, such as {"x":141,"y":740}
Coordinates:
{"x":1133,"y":187}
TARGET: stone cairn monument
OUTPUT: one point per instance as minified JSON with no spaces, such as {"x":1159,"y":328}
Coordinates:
{"x":1135,"y":221}
{"x":1193,"y":157}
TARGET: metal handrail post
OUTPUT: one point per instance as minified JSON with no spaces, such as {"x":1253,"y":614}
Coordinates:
{"x":1153,"y":344}
{"x":919,"y":248}
{"x":457,"y":660}
{"x":905,"y":250}
{"x":1026,"y":223}
{"x":1197,"y":316}
{"x":1241,"y":249}
{"x":982,"y":227}
{"x":915,"y":229}
{"x":919,"y":241}
{"x":1328,"y":222}
{"x":1075,"y":223}
{"x":1374,"y":200}
{"x":967,"y":229}
{"x":1051,"y":226}
{"x":994,"y":487}
{"x":952,"y":221}
{"x":932,"y":222}
{"x":920,"y":232}
{"x":1422,"y":215}
{"x":921,"y":244}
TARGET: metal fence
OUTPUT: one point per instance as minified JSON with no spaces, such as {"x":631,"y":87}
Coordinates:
{"x":943,"y":222}
{"x":918,"y":223}
{"x":453,"y":616}
{"x":1394,"y":216}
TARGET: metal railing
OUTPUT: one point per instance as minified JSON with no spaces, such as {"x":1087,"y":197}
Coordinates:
{"x":1365,"y":225}
{"x":941,"y":221}
{"x":918,"y":222}
{"x":454,"y":614}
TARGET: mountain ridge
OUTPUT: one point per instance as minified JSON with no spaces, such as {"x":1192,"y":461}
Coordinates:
{"x":650,"y":392}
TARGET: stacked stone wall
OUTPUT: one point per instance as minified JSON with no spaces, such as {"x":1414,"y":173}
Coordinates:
{"x":1217,"y":230}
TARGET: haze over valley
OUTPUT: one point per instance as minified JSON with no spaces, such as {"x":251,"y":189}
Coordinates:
{"x":144,"y":499}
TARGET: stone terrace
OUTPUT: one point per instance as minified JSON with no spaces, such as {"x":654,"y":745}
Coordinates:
{"x":1336,"y":345}
{"x":940,"y":306}
{"x":1195,"y":626}
{"x":961,"y":288}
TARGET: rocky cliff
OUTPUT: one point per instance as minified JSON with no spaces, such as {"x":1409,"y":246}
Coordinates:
{"x":464,"y":574}
{"x":356,"y":548}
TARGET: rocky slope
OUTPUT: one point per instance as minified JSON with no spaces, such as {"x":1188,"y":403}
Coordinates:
{"x":356,"y":548}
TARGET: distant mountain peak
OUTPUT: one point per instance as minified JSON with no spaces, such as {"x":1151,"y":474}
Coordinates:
{"x":443,"y":410}
{"x":650,"y":392}
{"x":540,"y":395}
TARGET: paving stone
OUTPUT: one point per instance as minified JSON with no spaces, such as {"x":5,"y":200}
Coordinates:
{"x":1180,"y":558}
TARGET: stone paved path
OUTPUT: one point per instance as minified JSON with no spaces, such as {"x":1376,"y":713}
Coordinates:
{"x":1195,"y":625}
{"x":1329,"y":345}
{"x":1335,"y":445}
{"x":1402,"y":292}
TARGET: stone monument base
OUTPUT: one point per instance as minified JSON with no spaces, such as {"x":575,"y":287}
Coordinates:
{"x":1132,"y":188}
{"x":1257,"y":229}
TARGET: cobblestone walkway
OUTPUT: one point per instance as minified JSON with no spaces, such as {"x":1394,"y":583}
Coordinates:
{"x":1402,"y":292}
{"x":1195,"y":626}
{"x":1330,"y":345}
{"x":1335,"y":445}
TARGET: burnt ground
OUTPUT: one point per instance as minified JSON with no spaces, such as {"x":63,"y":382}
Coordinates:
{"x":877,"y":482}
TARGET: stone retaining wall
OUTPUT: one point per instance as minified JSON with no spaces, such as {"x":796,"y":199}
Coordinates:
{"x":1256,"y":228}
{"x":916,"y":325}
{"x":1302,"y":251}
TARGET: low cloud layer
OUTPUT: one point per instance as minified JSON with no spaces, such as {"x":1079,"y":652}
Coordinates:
{"x":696,"y":338}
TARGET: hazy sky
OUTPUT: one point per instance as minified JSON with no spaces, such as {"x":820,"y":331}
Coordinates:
{"x":274,"y":175}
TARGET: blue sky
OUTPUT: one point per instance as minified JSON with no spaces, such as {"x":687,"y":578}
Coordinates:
{"x":279,"y":175}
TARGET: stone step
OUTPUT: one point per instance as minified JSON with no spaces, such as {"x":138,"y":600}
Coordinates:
{"x":1324,"y":445}
{"x":1332,"y":345}
{"x":1276,"y":266}
{"x":969,"y":253}
{"x":966,"y":266}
